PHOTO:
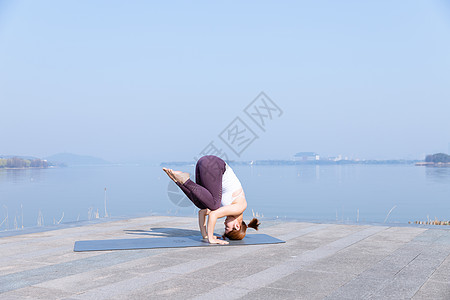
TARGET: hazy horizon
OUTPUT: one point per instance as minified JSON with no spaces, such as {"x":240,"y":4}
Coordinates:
{"x":145,"y":160}
{"x":160,"y":81}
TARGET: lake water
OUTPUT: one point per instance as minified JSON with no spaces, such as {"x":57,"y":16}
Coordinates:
{"x":349,"y":193}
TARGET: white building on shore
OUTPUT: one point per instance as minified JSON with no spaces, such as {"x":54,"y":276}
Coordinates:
{"x":306,"y":156}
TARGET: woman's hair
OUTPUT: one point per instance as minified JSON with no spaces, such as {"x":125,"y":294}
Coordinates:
{"x":240,"y":234}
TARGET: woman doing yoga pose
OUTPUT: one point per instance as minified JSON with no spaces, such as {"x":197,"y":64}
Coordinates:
{"x":218,"y":193}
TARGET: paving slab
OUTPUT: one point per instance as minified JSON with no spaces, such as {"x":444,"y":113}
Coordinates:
{"x":267,"y":293}
{"x":318,"y":261}
{"x":435,"y":290}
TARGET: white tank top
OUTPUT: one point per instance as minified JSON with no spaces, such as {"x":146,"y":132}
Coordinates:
{"x":230,"y":184}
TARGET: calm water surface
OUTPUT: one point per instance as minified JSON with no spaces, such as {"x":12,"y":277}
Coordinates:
{"x":364,"y":193}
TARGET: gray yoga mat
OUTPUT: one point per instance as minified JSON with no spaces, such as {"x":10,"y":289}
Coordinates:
{"x":168,"y":242}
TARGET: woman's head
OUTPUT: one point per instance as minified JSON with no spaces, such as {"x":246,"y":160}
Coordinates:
{"x":235,"y":228}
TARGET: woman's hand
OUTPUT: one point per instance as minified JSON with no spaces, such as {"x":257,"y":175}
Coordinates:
{"x":215,"y":240}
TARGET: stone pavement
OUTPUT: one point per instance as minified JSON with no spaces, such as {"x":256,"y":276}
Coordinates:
{"x":318,"y":261}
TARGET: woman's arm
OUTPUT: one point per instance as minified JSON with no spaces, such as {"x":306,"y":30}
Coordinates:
{"x":202,"y":221}
{"x":212,"y":219}
{"x":234,"y":209}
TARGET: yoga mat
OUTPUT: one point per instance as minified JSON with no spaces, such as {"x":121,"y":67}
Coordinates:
{"x":168,"y":242}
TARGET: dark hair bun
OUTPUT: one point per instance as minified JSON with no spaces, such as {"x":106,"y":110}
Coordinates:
{"x":254,"y":223}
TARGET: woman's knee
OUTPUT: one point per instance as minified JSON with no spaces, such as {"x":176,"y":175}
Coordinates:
{"x":214,"y":206}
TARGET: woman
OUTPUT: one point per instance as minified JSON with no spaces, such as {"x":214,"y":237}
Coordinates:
{"x":218,"y":193}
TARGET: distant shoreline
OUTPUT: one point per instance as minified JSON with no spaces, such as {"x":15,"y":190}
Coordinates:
{"x":432,"y":164}
{"x":26,"y":168}
{"x":311,"y":162}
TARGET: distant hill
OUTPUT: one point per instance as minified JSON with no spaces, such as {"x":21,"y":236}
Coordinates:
{"x":70,"y":159}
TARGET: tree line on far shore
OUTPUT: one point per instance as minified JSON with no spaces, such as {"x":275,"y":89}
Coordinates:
{"x":438,"y":158}
{"x":17,"y":162}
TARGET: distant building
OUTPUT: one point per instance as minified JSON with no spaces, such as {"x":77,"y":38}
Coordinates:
{"x":336,"y":158}
{"x":306,"y":156}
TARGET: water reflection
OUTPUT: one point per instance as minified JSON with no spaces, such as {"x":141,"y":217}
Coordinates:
{"x":438,"y":174}
{"x":21,"y":175}
{"x":307,"y":173}
{"x":335,"y":173}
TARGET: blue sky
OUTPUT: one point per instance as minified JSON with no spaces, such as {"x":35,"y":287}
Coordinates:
{"x":132,"y":80}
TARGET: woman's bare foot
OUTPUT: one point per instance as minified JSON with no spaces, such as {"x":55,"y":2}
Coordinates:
{"x":169,"y":174}
{"x":177,"y":176}
{"x":180,"y":176}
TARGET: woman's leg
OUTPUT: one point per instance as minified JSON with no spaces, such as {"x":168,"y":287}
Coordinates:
{"x":179,"y":177}
{"x":206,"y":192}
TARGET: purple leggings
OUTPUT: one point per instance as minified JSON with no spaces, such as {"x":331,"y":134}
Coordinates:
{"x":206,"y":191}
